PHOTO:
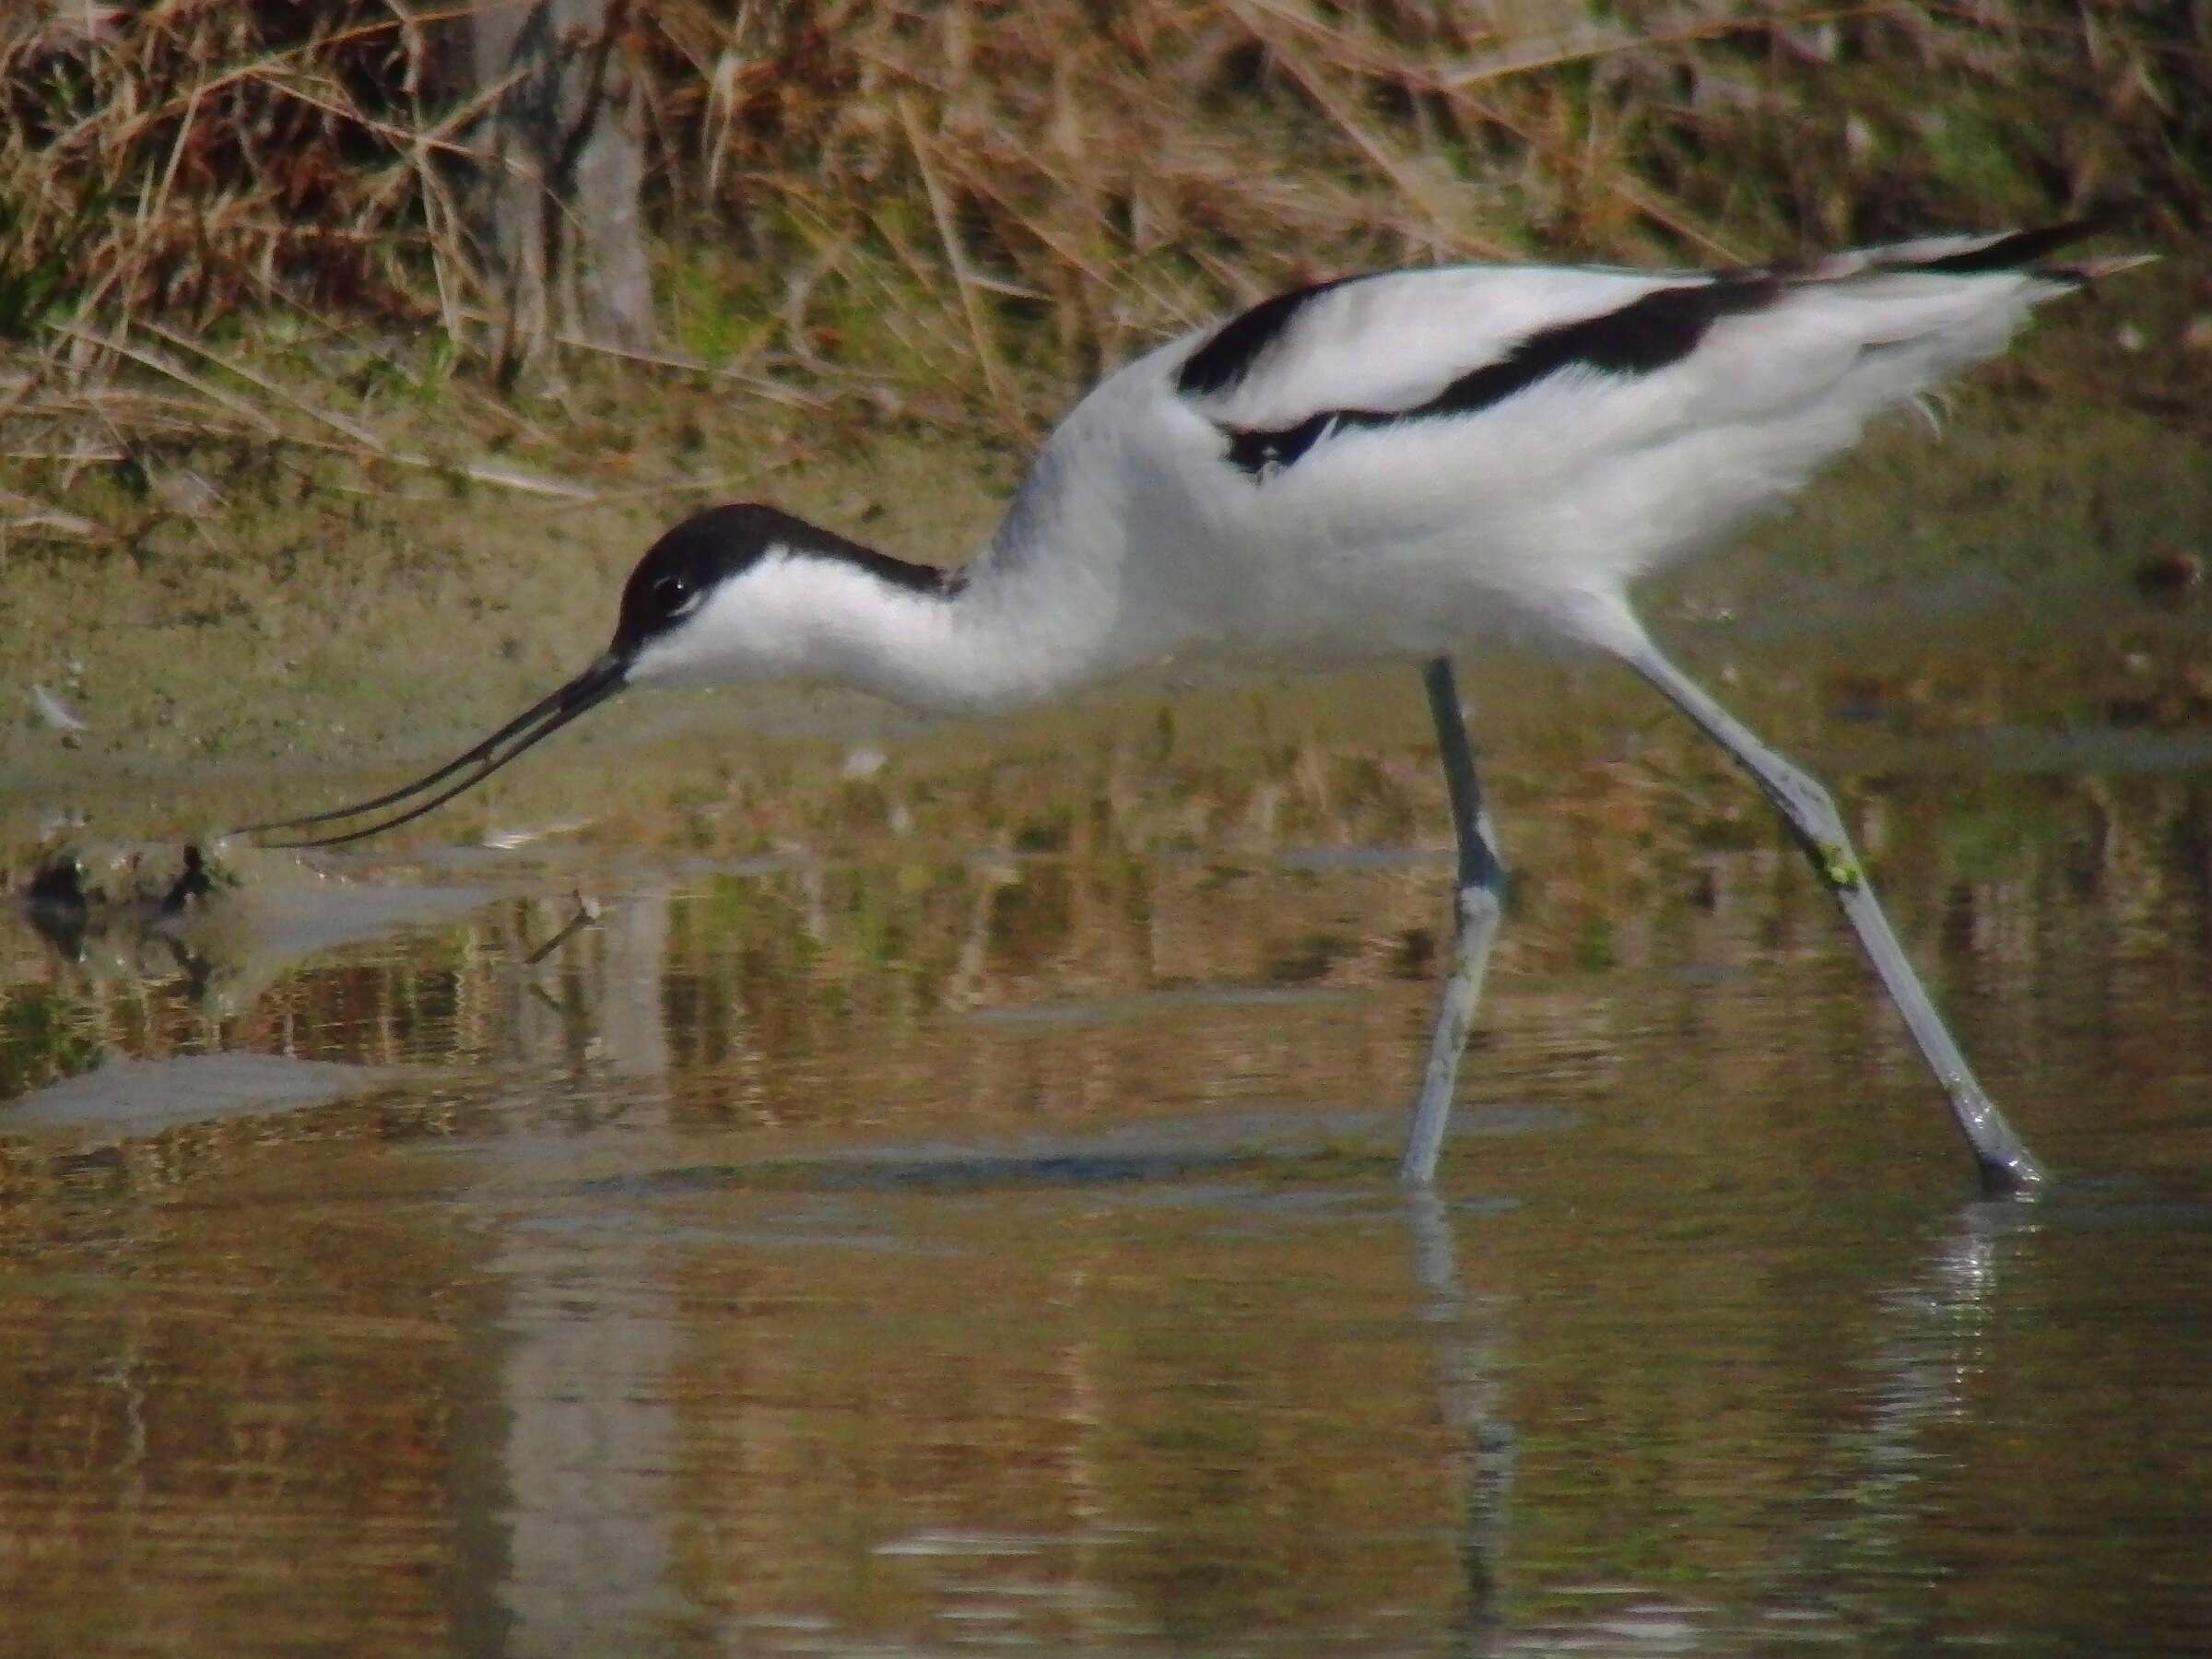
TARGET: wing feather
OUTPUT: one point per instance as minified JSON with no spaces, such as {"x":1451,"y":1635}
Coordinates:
{"x":1364,"y":353}
{"x":1388,"y":343}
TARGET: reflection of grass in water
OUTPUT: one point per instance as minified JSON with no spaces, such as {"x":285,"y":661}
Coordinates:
{"x":1033,"y":916}
{"x":43,"y":1037}
{"x":1309,"y":957}
{"x":1596,"y":948}
{"x":882,"y":925}
{"x":1984,"y":836}
{"x":1046,"y":833}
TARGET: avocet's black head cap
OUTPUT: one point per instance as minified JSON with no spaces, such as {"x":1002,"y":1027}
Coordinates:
{"x":708,"y":548}
{"x":675,"y":575}
{"x":692,"y":559}
{"x":674,"y":578}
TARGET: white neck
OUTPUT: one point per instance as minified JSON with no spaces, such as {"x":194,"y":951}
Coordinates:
{"x":1021,"y":630}
{"x":1000,"y":642}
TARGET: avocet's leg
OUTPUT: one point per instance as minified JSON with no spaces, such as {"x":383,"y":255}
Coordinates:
{"x":1477,"y":899}
{"x":2007,"y":1165}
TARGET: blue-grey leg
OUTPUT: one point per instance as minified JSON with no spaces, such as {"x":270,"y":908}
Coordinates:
{"x":2005,"y":1163}
{"x":1478,"y":899}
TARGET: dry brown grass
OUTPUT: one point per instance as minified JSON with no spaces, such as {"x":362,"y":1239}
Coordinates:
{"x":963,"y":210}
{"x":1028,"y":192}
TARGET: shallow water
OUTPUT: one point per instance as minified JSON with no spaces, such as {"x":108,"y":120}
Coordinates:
{"x":926,"y":1250}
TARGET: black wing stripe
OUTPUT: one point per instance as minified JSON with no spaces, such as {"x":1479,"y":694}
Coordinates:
{"x":1641,"y":337}
{"x":2007,"y":253}
{"x":1644,"y":335}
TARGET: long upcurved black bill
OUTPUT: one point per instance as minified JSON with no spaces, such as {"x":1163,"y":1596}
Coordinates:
{"x":526,"y":731}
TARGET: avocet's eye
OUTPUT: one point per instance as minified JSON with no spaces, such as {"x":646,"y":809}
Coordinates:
{"x":673,"y":595}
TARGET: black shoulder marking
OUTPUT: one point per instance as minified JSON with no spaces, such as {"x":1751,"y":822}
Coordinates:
{"x":1228,"y":358}
{"x":1641,"y":337}
{"x":2007,"y":253}
{"x":1264,"y":453}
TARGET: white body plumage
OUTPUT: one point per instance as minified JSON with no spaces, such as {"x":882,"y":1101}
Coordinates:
{"x":1130,"y":542}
